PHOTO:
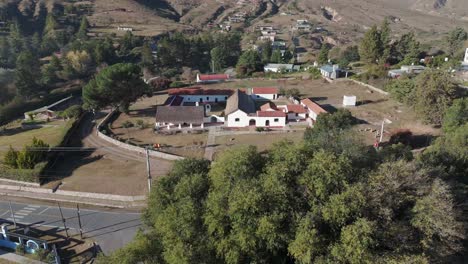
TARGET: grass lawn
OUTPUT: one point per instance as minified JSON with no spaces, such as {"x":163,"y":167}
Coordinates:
{"x":262,"y":141}
{"x":18,"y":137}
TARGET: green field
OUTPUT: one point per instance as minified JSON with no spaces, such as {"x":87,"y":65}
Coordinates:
{"x":18,"y":137}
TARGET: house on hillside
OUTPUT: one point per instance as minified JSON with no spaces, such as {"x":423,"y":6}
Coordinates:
{"x":464,"y":63}
{"x":330,"y":71}
{"x":405,"y":69}
{"x":212,"y":78}
{"x":241,"y":112}
{"x":179,"y":116}
{"x":264,"y":93}
{"x":278,"y":67}
{"x":50,"y":111}
{"x":313,"y":109}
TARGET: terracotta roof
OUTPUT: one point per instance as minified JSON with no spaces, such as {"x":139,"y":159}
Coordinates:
{"x":270,"y":114}
{"x":264,"y":90}
{"x":199,"y":91}
{"x":180,"y":114}
{"x":299,"y":109}
{"x":314,"y":107}
{"x":239,"y":101}
{"x":213,"y":77}
{"x":268,"y":106}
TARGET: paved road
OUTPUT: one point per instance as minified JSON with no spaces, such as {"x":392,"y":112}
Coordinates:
{"x":111,"y":230}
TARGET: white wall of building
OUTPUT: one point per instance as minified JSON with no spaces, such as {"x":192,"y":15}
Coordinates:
{"x":238,"y":119}
{"x":273,"y":121}
{"x":241,"y":119}
{"x":204,"y":98}
{"x":263,"y":96}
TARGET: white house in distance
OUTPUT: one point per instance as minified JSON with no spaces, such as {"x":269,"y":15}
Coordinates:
{"x":312,"y":108}
{"x":278,"y":67}
{"x":240,"y":112}
{"x":212,"y":78}
{"x":405,"y":69}
{"x":264,"y":93}
{"x":330,"y":71}
{"x":197,"y":94}
{"x":349,"y":100}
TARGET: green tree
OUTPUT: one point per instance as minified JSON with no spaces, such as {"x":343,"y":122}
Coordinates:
{"x":50,"y":25}
{"x":276,"y":56}
{"x":402,"y":89}
{"x":10,"y":158}
{"x":351,"y":54}
{"x":370,"y":48}
{"x":323,"y":54}
{"x":147,"y":59}
{"x":434,"y":92}
{"x":407,"y":49}
{"x":356,"y":243}
{"x":218,"y":59}
{"x":287,"y":56}
{"x":456,"y":115}
{"x":435,"y":219}
{"x":83,"y":30}
{"x":266,"y":51}
{"x":249,"y":62}
{"x":117,"y":85}
{"x":26,"y":74}
{"x":51,"y":72}
{"x":385,"y":39}
{"x":455,"y":40}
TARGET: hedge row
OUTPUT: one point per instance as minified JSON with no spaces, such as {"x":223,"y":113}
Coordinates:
{"x":32,"y":175}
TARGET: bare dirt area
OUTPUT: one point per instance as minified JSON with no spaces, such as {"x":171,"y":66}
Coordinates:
{"x":187,"y":143}
{"x":109,"y":15}
{"x":101,"y":167}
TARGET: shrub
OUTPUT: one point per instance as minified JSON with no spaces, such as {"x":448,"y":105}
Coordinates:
{"x":20,"y":249}
{"x":259,"y":129}
{"x":10,"y":158}
{"x":72,"y":111}
{"x":41,"y":254}
{"x":141,"y":124}
{"x":314,"y":73}
{"x":177,"y":84}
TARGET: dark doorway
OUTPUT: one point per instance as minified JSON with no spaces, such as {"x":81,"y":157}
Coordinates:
{"x":252,"y":122}
{"x":267,"y":123}
{"x":213,"y":119}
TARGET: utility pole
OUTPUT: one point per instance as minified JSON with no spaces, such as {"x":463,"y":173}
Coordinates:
{"x":79,"y":220}
{"x":63,"y":220}
{"x":12,"y":214}
{"x":381,"y":132}
{"x":148,"y":169}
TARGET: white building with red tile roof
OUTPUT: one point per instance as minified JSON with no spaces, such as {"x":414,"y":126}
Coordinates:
{"x":264,"y":93}
{"x":212,"y":78}
{"x":296,"y":112}
{"x":313,"y":108}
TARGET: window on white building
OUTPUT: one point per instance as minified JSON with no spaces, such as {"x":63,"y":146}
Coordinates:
{"x":237,"y":119}
{"x":276,"y":120}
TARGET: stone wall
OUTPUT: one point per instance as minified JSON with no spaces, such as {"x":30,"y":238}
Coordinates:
{"x":140,"y":150}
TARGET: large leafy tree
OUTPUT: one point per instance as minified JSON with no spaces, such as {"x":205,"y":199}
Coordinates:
{"x":117,"y":86}
{"x":26,"y":74}
{"x":455,"y":40}
{"x":456,"y":115}
{"x":434,"y":92}
{"x":370,"y":48}
{"x":249,"y":62}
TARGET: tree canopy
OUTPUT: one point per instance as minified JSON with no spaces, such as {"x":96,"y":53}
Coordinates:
{"x":117,"y":86}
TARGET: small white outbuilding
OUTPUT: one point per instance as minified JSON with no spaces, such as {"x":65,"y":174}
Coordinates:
{"x":349,"y":100}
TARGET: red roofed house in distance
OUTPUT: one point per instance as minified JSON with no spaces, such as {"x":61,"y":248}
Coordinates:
{"x":212,"y":78}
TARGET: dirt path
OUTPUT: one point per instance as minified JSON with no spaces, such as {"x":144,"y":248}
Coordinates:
{"x":210,"y":143}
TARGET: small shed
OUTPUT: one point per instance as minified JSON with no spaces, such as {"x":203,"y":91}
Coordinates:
{"x":349,"y":100}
